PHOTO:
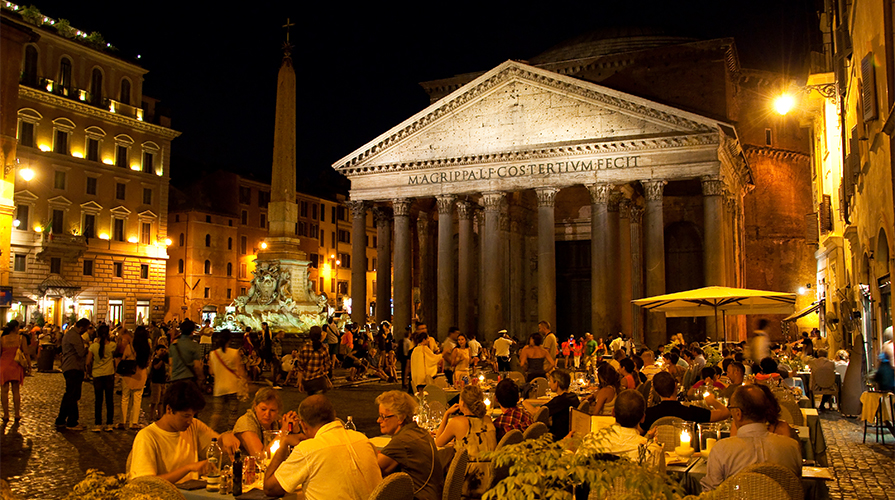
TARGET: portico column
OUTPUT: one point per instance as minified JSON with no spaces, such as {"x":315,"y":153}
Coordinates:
{"x":624,"y":267}
{"x":403,"y":284}
{"x":599,"y":263}
{"x":493,"y":277}
{"x":635,"y":214}
{"x":613,"y":264}
{"x":713,"y":261}
{"x":358,"y":261}
{"x":383,"y":217}
{"x":654,"y":248}
{"x":446,"y":306}
{"x":546,"y":255}
{"x":428,"y":277}
{"x":465,"y":265}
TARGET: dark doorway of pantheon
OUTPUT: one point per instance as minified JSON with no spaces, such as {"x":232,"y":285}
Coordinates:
{"x":572,"y":289}
{"x":683,"y":271}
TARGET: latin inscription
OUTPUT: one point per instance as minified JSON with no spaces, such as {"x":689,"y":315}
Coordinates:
{"x":533,"y":169}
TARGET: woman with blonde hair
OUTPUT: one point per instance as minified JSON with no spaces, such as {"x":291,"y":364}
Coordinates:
{"x":264,"y":415}
{"x":411,"y":449}
{"x":467,"y":424}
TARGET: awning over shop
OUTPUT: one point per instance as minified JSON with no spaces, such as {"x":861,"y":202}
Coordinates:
{"x":804,"y":312}
{"x":57,"y":286}
{"x":28,"y":301}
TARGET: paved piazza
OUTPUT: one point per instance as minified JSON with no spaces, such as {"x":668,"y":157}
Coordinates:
{"x":40,"y":463}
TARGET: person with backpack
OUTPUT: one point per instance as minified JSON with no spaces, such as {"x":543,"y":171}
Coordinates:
{"x":186,"y":357}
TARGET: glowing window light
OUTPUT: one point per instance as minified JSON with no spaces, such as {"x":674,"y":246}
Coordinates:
{"x":38,"y":228}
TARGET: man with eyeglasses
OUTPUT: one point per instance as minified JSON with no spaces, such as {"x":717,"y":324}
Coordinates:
{"x":328,"y":461}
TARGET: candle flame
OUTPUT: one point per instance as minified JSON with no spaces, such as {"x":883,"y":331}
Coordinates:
{"x":274,"y":447}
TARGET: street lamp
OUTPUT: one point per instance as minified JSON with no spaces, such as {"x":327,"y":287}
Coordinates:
{"x":786,"y":102}
{"x":27,"y":174}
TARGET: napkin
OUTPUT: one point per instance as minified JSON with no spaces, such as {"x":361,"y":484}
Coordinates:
{"x":673,"y":459}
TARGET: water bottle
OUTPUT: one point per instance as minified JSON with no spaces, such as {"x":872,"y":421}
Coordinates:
{"x":213,"y":454}
{"x":350,"y":424}
{"x":237,"y":474}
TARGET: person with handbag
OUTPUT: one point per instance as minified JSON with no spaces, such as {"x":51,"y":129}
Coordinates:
{"x":13,"y":360}
{"x":186,"y":357}
{"x":230,"y":384}
{"x":101,"y":363}
{"x":133,"y":370}
{"x":314,"y":363}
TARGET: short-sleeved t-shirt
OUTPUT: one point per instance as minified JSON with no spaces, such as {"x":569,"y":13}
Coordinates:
{"x":248,"y":422}
{"x":103,"y":366}
{"x":156,"y":451}
{"x":183,"y":353}
{"x":676,"y":409}
{"x":416,"y":454}
{"x":559,"y":413}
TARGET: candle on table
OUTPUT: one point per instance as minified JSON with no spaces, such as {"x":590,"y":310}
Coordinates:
{"x":685,"y":439}
{"x":709,"y":443}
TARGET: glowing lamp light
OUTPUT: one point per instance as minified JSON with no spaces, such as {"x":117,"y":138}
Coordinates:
{"x":27,"y":174}
{"x":44,"y":148}
{"x":103,"y":236}
{"x":135,"y":167}
{"x":802,"y":290}
{"x":16,"y":223}
{"x":108,"y":161}
{"x":481,"y":378}
{"x":338,"y":262}
{"x":263,"y":245}
{"x":133,"y":239}
{"x":38,"y":228}
{"x":784,"y":104}
{"x":168,"y":242}
{"x":77,"y":154}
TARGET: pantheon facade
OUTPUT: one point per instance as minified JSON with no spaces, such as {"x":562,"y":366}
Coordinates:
{"x":527,"y":194}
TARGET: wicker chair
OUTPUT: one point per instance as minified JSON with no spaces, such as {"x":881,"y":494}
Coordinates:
{"x":540,"y":387}
{"x":542,"y":415}
{"x":666,"y":432}
{"x":435,"y":393}
{"x":535,"y":431}
{"x":790,"y":413}
{"x":453,"y":482}
{"x":150,"y":487}
{"x":436,"y":408}
{"x":783,"y":476}
{"x":396,"y":486}
{"x":512,"y":437}
{"x":441,"y":382}
{"x":517,"y":377}
{"x":585,"y":406}
{"x":749,"y":485}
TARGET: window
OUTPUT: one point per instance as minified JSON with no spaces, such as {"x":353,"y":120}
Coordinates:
{"x":375,"y":241}
{"x":243,"y":272}
{"x":91,"y":185}
{"x":116,"y":311}
{"x":29,"y":68}
{"x":244,"y":219}
{"x":176,"y":217}
{"x":181,"y":239}
{"x":229,"y":293}
{"x":208,"y":219}
{"x":344,"y":236}
{"x":144,"y":271}
{"x":146,"y":233}
{"x":243,"y":245}
{"x":314,"y":260}
{"x":301,"y":228}
{"x":207,"y":292}
{"x":229,"y":269}
{"x":263,"y":199}
{"x":118,"y":229}
{"x":334,"y":219}
{"x":303,"y":207}
{"x":208,"y":240}
{"x":245,"y":195}
{"x":373,"y":268}
{"x":60,"y":141}
{"x":120,"y":190}
{"x":263,"y":221}
{"x":57,"y":224}
{"x":148,"y":162}
{"x":64,"y":76}
{"x":20,"y":260}
{"x":96,"y":87}
{"x":346,"y":260}
{"x":22,"y":217}
{"x":242,"y":291}
{"x":142,"y":311}
{"x":88,"y":267}
{"x":92,"y":149}
{"x":314,"y":211}
{"x":89,"y":229}
{"x":59,"y":178}
{"x":56,"y":265}
{"x":147,"y":196}
{"x":767,"y":137}
{"x":323,"y":214}
{"x":26,"y":134}
{"x":343,"y":213}
{"x":118,"y":269}
{"x":207,"y":266}
{"x":333,"y":239}
{"x":125,"y":95}
{"x":315,"y":230}
{"x":121,"y":156}
{"x":180,"y":266}
{"x":229,"y":243}
{"x":320,"y":288}
{"x":230,"y":222}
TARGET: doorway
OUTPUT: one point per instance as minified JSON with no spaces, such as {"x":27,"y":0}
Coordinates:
{"x":573,"y":294}
{"x":683,"y":271}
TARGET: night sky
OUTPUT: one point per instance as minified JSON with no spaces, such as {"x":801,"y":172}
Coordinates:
{"x":359,"y":66}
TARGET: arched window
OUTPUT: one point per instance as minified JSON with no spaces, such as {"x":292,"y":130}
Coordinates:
{"x":64,"y":82}
{"x":229,"y":269}
{"x":96,"y":87}
{"x":180,"y":266}
{"x":181,"y":239}
{"x":29,"y":66}
{"x":125,"y":94}
{"x":207,"y":267}
{"x":208,"y":240}
{"x":229,"y":243}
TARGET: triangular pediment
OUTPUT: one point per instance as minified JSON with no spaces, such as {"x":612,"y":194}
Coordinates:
{"x":516,"y":108}
{"x":91,"y":206}
{"x":59,"y":200}
{"x":147,"y":214}
{"x":25,"y":196}
{"x":120,"y":210}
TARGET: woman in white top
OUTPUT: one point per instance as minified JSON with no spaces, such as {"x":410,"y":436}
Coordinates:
{"x":229,"y":373}
{"x":101,"y":362}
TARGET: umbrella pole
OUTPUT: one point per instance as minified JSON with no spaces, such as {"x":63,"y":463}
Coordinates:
{"x":724,"y":323}
{"x":716,"y":321}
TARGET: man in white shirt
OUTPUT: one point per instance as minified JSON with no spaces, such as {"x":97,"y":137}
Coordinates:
{"x":549,"y":343}
{"x":169,"y":448}
{"x":753,"y":442}
{"x":649,"y":365}
{"x":447,"y":347}
{"x":328,"y":461}
{"x":616,"y":344}
{"x":623,"y":438}
{"x":476,"y":353}
{"x":502,"y":351}
{"x":423,"y":362}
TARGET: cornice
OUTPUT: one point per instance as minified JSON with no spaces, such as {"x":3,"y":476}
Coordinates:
{"x":777,"y":154}
{"x":65,"y":103}
{"x":590,"y":148}
{"x":515,"y":71}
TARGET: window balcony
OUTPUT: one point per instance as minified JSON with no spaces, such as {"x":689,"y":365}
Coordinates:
{"x":65,"y":246}
{"x":82,"y":95}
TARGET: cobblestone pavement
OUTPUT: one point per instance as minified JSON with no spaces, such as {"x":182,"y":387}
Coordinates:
{"x":41,"y":463}
{"x":863,"y":471}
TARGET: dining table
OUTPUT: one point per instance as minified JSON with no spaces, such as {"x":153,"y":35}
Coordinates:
{"x":248,"y":494}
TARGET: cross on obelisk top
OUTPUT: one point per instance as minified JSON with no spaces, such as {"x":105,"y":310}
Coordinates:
{"x":287,"y":26}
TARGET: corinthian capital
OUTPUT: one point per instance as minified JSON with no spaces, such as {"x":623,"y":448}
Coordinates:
{"x":382,"y":216}
{"x":636,"y":214}
{"x":599,"y":193}
{"x":465,"y":210}
{"x":493,"y":200}
{"x":653,"y":189}
{"x":445,"y":204}
{"x":546,"y":196}
{"x":615,"y":199}
{"x":358,"y":209}
{"x":401,"y":207}
{"x":712,"y":186}
{"x":624,"y":208}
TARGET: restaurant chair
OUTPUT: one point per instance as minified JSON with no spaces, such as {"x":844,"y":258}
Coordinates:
{"x":783,"y":476}
{"x":748,"y":485}
{"x":453,"y":481}
{"x":540,"y":387}
{"x":823,"y":381}
{"x":790,"y":413}
{"x":395,"y":486}
{"x":584,"y":406}
{"x":517,"y":377}
{"x":535,"y":431}
{"x":436,"y":393}
{"x":150,"y":487}
{"x":492,"y":376}
{"x":437,"y":409}
{"x":666,"y":433}
{"x":441,"y":382}
{"x":542,"y":415}
{"x":876,"y":410}
{"x":512,"y":437}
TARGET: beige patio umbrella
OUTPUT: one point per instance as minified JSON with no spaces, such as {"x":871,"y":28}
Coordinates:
{"x":710,"y":300}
